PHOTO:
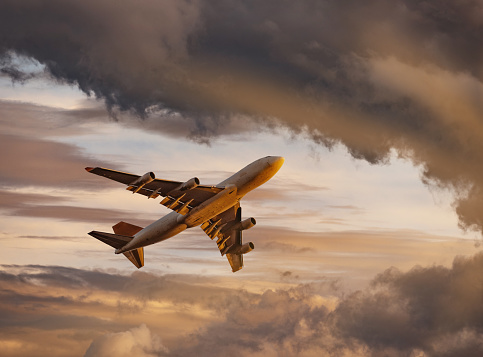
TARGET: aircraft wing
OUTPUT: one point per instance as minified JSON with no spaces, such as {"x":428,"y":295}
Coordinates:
{"x":226,"y":238}
{"x":175,"y":199}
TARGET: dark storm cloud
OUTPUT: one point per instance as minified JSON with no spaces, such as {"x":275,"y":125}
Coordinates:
{"x":374,"y":76}
{"x":15,"y":74}
{"x":70,"y":39}
{"x":431,"y":309}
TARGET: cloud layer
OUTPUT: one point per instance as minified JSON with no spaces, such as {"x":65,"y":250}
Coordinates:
{"x":427,"y":311}
{"x":432,"y":311}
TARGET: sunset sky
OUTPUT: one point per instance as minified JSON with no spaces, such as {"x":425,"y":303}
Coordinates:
{"x":367,"y":240}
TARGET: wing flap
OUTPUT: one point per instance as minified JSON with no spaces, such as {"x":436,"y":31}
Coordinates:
{"x":214,"y":227}
{"x":119,"y":176}
{"x":219,"y":227}
{"x":181,"y":202}
{"x":236,"y":261}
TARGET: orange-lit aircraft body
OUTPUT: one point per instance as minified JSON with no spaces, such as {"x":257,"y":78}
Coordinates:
{"x":215,"y":208}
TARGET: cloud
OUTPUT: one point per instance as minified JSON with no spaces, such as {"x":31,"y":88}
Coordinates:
{"x":34,"y":162}
{"x":64,"y":238}
{"x":431,"y":311}
{"x":144,"y":42}
{"x":375,"y":76}
{"x":23,"y":119}
{"x":39,"y":205}
{"x":68,"y":308}
{"x":32,"y":157}
{"x":345,"y":207}
{"x":137,"y":341}
{"x":352,"y":256}
{"x":42,"y":163}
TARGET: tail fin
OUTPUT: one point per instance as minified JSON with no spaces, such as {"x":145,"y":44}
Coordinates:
{"x":126,"y":229}
{"x":124,"y":233}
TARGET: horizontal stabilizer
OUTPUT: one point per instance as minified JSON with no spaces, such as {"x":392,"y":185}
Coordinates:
{"x":116,"y":241}
{"x":136,"y":257}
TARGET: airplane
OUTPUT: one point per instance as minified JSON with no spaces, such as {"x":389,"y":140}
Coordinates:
{"x":215,"y":208}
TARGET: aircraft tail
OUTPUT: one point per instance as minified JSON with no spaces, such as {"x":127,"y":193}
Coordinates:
{"x":126,"y":229}
{"x":124,"y":233}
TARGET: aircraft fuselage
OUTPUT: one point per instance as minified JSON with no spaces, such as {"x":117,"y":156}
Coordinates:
{"x":234,"y":188}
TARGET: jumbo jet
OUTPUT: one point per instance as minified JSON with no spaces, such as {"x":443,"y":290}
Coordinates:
{"x":215,"y":208}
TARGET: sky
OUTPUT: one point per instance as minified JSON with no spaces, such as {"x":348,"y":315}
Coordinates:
{"x":367,"y":240}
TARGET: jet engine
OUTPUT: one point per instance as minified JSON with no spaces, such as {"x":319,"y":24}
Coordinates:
{"x":190,"y":184}
{"x":245,"y":224}
{"x":140,"y":182}
{"x":243,"y":249}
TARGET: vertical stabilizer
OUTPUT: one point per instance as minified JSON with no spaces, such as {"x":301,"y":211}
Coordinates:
{"x":126,"y":229}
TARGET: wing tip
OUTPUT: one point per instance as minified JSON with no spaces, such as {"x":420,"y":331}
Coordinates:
{"x":89,"y":169}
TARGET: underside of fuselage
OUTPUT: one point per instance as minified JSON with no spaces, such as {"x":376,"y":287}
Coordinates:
{"x":174,"y":223}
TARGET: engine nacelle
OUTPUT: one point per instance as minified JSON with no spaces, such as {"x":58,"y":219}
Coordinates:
{"x":243,"y":249}
{"x":140,"y":182}
{"x":190,"y":184}
{"x":245,"y":224}
{"x":145,"y":179}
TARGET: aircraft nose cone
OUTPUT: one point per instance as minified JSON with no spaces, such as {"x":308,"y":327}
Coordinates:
{"x":276,"y":161}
